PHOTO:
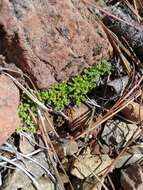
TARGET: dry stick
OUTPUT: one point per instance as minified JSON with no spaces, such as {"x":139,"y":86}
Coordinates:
{"x":33,"y":116}
{"x":91,"y":121}
{"x":15,"y":159}
{"x":113,"y":39}
{"x":20,"y":155}
{"x":80,"y":120}
{"x":129,"y":93}
{"x":32,"y":97}
{"x":21,"y":74}
{"x":134,"y":10}
{"x":48,"y":141}
{"x":116,"y":41}
{"x":111,"y":35}
{"x":122,"y":99}
{"x":140,"y":2}
{"x":110,"y":168}
{"x":108,"y":116}
{"x":22,"y":169}
{"x":114,"y":17}
{"x":141,"y":101}
{"x":111,"y":183}
{"x":50,"y":124}
{"x":119,"y":46}
{"x":134,"y":137}
{"x":46,"y":109}
{"x":115,"y":108}
{"x":122,"y":117}
{"x":31,"y":140}
{"x":26,"y":76}
{"x":44,"y":168}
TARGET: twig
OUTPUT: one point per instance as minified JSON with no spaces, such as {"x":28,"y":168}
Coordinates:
{"x":112,"y":185}
{"x":47,"y":141}
{"x":113,"y":16}
{"x":22,"y":169}
{"x":122,"y":103}
{"x":46,"y":170}
{"x":32,"y":97}
{"x":135,"y":136}
{"x":114,"y":41}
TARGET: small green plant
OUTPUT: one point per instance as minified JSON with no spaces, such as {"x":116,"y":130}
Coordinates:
{"x":75,"y":90}
{"x":62,"y":94}
{"x":57,"y":96}
{"x":26,"y":106}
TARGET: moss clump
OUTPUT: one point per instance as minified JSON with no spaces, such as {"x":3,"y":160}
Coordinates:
{"x":26,"y":107}
{"x":75,"y":90}
{"x":62,"y":94}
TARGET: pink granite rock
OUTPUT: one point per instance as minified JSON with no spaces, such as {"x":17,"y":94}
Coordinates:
{"x":51,"y":40}
{"x":9,"y":100}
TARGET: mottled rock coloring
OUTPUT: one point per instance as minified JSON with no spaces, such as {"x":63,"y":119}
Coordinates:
{"x":51,"y":40}
{"x":9,"y":100}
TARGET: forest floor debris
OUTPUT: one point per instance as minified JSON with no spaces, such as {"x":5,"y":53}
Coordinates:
{"x":86,"y":131}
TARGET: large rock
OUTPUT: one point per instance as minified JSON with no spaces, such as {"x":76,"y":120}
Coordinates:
{"x":9,"y":100}
{"x":51,"y":40}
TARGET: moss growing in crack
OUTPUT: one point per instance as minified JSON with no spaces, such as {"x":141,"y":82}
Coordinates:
{"x":75,"y":90}
{"x":26,"y":107}
{"x":62,"y":94}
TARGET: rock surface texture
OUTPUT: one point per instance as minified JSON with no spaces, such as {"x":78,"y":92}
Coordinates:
{"x":9,"y":100}
{"x":87,"y":164}
{"x":117,"y":133}
{"x":17,"y":179}
{"x":51,"y":40}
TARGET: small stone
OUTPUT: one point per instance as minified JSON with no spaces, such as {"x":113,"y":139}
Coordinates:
{"x":67,"y":148}
{"x":71,"y":147}
{"x":25,"y":146}
{"x":87,"y":163}
{"x":132,"y":155}
{"x":44,"y":183}
{"x":17,"y":179}
{"x":117,"y":133}
{"x":132,"y":178}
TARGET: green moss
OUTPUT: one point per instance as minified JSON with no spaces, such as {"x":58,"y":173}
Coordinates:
{"x":27,"y":107}
{"x":62,"y":94}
